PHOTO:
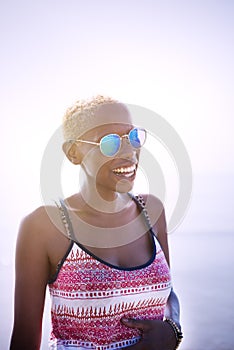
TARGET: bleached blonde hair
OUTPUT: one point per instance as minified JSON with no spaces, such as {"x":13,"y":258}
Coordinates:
{"x":79,"y":117}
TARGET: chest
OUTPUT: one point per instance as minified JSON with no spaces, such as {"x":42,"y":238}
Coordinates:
{"x":121,"y":240}
{"x":131,"y":254}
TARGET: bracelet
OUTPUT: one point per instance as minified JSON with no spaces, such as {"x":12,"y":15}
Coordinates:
{"x":177,"y":331}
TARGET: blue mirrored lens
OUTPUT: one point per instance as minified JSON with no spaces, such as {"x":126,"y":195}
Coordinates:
{"x":137,"y":137}
{"x":110,"y":145}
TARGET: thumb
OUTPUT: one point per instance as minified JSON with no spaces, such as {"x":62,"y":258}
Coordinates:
{"x":134,"y":323}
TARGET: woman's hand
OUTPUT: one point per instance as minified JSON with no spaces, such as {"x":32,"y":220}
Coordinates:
{"x":156,"y":335}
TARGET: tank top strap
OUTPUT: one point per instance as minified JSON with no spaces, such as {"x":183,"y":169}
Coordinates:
{"x":141,"y":203}
{"x":65,"y":219}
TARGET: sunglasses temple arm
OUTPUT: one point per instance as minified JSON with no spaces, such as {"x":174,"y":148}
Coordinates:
{"x":90,"y":142}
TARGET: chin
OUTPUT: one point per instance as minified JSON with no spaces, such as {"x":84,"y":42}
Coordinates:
{"x":124,"y":186}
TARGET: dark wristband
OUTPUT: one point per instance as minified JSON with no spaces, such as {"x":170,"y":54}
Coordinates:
{"x":177,"y":331}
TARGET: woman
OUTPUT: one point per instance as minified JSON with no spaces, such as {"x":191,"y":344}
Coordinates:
{"x":103,"y":252}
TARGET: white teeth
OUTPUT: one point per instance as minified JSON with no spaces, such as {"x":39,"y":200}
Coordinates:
{"x":129,"y":174}
{"x":128,"y":170}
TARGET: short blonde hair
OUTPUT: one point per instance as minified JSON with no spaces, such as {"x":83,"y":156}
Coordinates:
{"x":80,"y":116}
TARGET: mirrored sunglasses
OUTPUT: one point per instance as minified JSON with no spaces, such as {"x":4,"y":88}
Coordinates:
{"x":110,"y":144}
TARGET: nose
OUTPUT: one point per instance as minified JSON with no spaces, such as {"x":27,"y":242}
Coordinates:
{"x":127,"y":151}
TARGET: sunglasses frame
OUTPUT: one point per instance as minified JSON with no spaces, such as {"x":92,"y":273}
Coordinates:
{"x":120,"y":137}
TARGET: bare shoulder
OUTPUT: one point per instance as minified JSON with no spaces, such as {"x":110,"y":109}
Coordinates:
{"x":41,"y":243}
{"x":154,"y":206}
{"x":151,"y":199}
{"x":41,"y":223}
{"x":155,"y":209}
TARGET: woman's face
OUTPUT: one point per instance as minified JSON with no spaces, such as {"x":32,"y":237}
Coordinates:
{"x":116,"y":173}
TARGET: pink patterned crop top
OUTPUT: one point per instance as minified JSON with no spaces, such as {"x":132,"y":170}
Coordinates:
{"x":89,"y":297}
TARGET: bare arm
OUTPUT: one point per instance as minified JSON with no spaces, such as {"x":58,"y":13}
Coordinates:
{"x":32,"y":271}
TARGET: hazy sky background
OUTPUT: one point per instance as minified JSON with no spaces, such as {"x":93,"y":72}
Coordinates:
{"x":173,"y":57}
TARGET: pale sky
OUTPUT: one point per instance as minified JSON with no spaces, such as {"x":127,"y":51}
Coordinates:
{"x":173,"y":57}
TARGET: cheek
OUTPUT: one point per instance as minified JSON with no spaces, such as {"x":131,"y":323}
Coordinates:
{"x":104,"y":168}
{"x":94,"y":163}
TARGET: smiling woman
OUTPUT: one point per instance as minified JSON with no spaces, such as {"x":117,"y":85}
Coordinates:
{"x":103,"y":257}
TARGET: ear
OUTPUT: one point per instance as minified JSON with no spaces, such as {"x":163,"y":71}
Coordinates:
{"x":72,"y":152}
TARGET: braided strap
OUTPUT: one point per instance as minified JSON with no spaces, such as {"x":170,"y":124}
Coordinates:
{"x":141,"y":201}
{"x":65,"y":218}
{"x":177,"y":331}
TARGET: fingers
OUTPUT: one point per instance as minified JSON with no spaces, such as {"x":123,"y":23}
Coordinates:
{"x":143,"y":325}
{"x":130,"y":322}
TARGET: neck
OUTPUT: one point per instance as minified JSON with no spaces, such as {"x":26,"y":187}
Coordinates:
{"x":103,"y":201}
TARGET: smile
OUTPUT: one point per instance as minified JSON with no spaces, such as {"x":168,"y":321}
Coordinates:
{"x":126,"y":171}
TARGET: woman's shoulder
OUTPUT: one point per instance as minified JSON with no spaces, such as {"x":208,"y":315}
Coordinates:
{"x":151,"y":201}
{"x":154,"y":207}
{"x":41,"y":222}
